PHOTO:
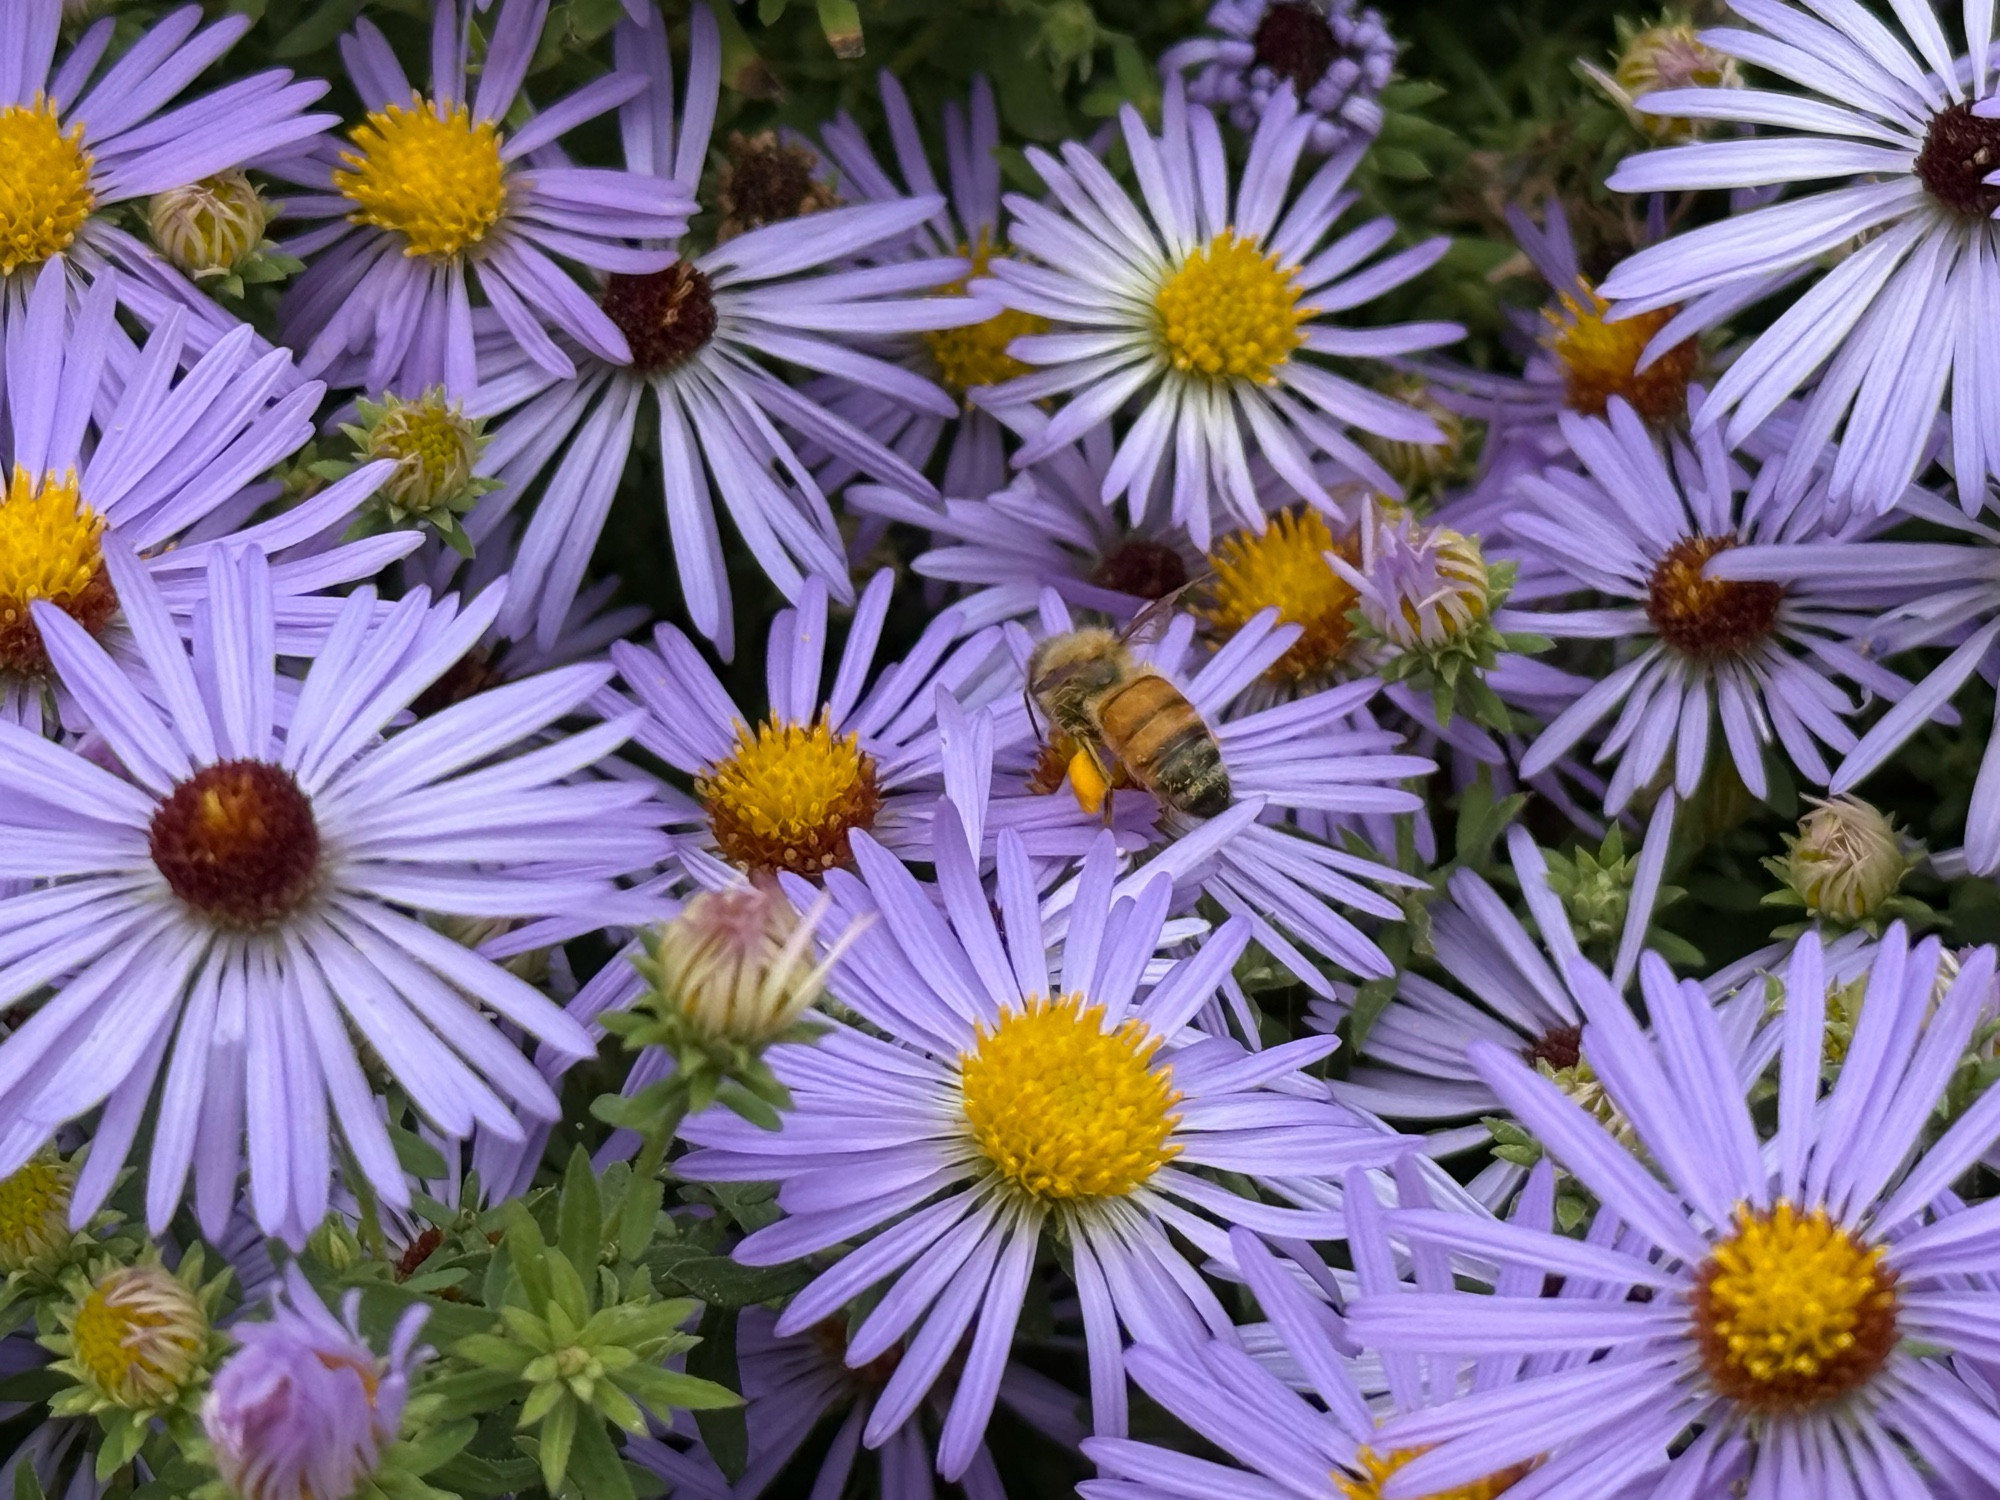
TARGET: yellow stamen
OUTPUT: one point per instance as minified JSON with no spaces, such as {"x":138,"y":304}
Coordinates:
{"x":977,"y":355}
{"x":34,"y":1212}
{"x":48,"y":550}
{"x":138,"y":1335}
{"x":1792,"y":1310}
{"x":1064,"y":1109}
{"x":45,"y":192}
{"x":787,"y":797}
{"x":1284,"y":566}
{"x":1377,"y":1469}
{"x":1600,"y":358}
{"x":1231,"y":312}
{"x":437,"y":180}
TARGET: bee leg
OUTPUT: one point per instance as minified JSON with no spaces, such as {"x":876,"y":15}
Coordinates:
{"x":1088,"y":781}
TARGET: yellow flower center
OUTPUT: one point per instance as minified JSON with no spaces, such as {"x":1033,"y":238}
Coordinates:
{"x":34,"y":1212}
{"x":1792,"y":1310}
{"x":977,"y":355}
{"x":1600,"y":359}
{"x":1231,"y":312}
{"x":48,"y":550}
{"x":788,"y":796}
{"x":1284,"y":566}
{"x":437,"y":180}
{"x":1377,"y":1469}
{"x":44,"y":184}
{"x":138,"y":1336}
{"x":1064,"y":1109}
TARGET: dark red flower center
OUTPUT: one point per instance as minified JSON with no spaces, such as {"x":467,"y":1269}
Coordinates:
{"x":666,"y":316}
{"x":1144,"y":569}
{"x":237,"y":842}
{"x":1294,"y":41}
{"x":1960,"y":148}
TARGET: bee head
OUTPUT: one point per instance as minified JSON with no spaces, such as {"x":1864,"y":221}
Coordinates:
{"x":1068,"y":671}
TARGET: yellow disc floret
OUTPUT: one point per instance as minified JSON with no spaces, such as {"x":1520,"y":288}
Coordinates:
{"x":45,"y":190}
{"x":34,"y":1212}
{"x":48,"y":550}
{"x":788,"y":796}
{"x":1230,"y":312}
{"x":1378,"y":1468}
{"x":1063,"y":1108}
{"x":974,"y":356}
{"x":1792,"y":1310}
{"x":1600,"y":358}
{"x":138,"y":1335}
{"x":437,"y":180}
{"x":1284,"y":567}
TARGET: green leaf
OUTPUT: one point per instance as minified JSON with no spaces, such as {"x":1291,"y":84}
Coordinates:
{"x":528,"y":1252}
{"x":595,"y":1467}
{"x":319,"y":27}
{"x":558,"y":1434}
{"x":723,"y":1429}
{"x":581,"y":1222}
{"x":721,"y":1282}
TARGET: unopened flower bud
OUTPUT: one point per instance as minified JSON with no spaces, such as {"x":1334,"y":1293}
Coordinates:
{"x":736,"y":965}
{"x":34,"y":1213}
{"x":138,"y":1336}
{"x":304,"y":1409}
{"x":1670,"y":55}
{"x":1846,"y":860}
{"x":1420,"y":586}
{"x":211,"y":227}
{"x":434,"y":446}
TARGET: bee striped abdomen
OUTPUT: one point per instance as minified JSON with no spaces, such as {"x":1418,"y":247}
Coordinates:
{"x":1161,"y":739}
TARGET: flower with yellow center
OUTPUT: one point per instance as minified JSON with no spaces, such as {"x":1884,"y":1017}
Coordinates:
{"x":435,"y":179}
{"x":976,"y":355}
{"x":48,"y":550}
{"x":34,"y":1213}
{"x":788,"y":796}
{"x":1792,"y":1310}
{"x":45,"y":192}
{"x":1285,"y":567}
{"x":1065,"y":1110}
{"x":138,"y":1336}
{"x":1230,"y":312}
{"x":1600,"y":357}
{"x":433,"y":444}
{"x":1376,"y":1468}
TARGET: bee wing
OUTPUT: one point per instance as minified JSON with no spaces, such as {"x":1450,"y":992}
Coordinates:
{"x":1151,"y":622}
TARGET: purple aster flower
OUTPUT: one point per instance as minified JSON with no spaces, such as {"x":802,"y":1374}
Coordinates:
{"x":77,"y":142}
{"x":1638,"y":528}
{"x":1295,"y":1405}
{"x":169,"y":469}
{"x":1031,"y":1076}
{"x":1803,"y":1297}
{"x":1335,"y":55}
{"x":1046,"y":529}
{"x":793,"y":1383}
{"x":432,"y":187}
{"x":216,"y":917}
{"x":967,"y":224}
{"x":704,"y":333}
{"x":1893,"y":129}
{"x":1204,"y":307}
{"x":1950,"y":593}
{"x":1298,"y":770}
{"x":304,"y":1407}
{"x":790,"y":789}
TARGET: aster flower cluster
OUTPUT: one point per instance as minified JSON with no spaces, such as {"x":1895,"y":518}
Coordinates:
{"x":840,"y":751}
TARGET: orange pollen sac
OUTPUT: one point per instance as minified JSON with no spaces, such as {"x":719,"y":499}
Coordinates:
{"x":1708,"y":618}
{"x":1600,"y":358}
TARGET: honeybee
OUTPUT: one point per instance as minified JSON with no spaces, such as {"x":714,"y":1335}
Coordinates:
{"x":1115,"y":721}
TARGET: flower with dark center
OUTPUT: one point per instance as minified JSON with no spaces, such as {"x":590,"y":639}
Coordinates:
{"x":1294,"y":41}
{"x":1960,"y":150}
{"x":237,"y":842}
{"x":666,"y":316}
{"x":1143,"y":568}
{"x":1561,"y":1047}
{"x":767,"y":181}
{"x":1708,"y":618}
